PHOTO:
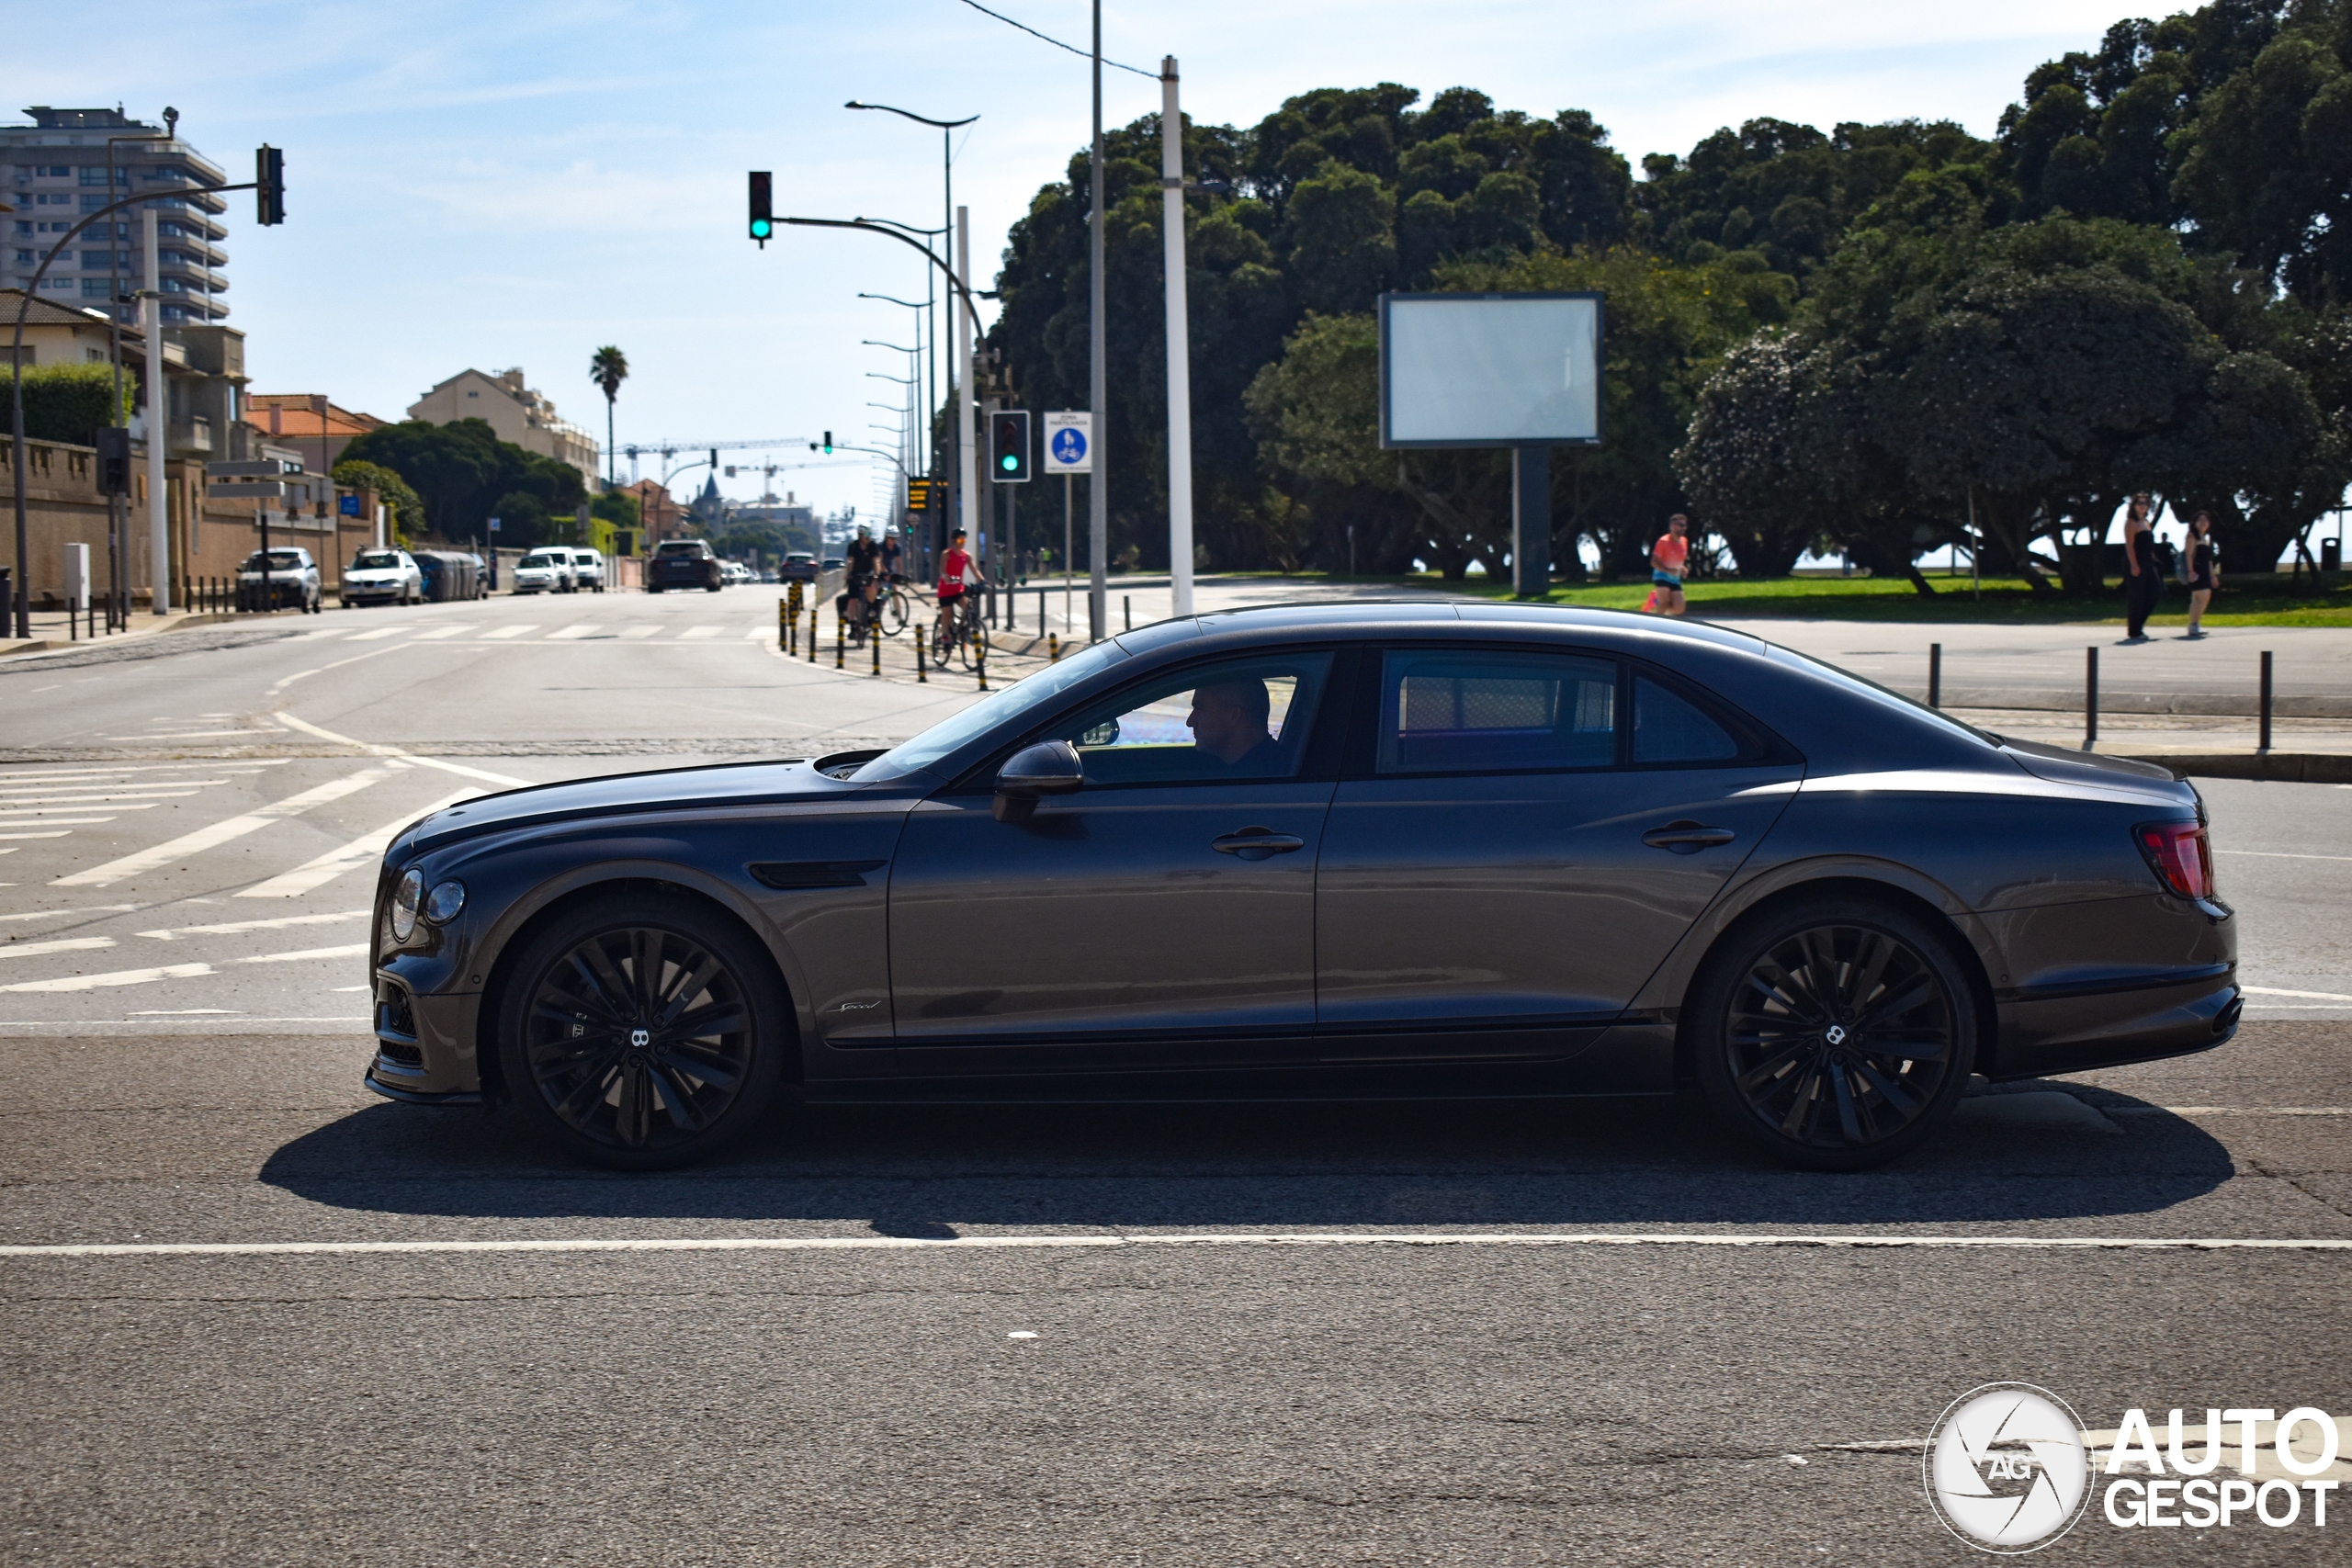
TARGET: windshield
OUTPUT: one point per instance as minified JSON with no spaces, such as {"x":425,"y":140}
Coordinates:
{"x":540,"y":557}
{"x":679,"y":548}
{"x":372,"y":560}
{"x":276,"y":560}
{"x":997,"y":707}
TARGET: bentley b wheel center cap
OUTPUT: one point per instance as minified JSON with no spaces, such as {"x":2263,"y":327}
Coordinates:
{"x":1835,"y":1034}
{"x":641,"y":1038}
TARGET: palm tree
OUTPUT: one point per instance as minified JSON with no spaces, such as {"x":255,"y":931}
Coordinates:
{"x":608,"y":368}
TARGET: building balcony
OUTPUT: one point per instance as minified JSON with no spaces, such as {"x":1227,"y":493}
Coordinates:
{"x":192,"y":437}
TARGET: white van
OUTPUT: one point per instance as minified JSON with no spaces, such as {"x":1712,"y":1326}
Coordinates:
{"x":547,"y":569}
{"x":587,"y":569}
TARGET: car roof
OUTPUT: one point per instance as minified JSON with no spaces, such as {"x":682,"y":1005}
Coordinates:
{"x":1388,"y":613}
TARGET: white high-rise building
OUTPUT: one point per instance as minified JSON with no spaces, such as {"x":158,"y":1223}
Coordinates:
{"x":55,"y":170}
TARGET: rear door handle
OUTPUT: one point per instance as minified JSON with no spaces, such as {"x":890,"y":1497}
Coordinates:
{"x":1687,"y":838}
{"x":1257,"y":843}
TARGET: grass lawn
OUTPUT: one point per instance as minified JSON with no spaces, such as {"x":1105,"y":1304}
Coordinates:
{"x":2246,"y":600}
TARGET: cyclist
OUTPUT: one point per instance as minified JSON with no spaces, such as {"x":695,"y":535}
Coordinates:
{"x":893,"y":559}
{"x":954,"y":568}
{"x":864,"y":560}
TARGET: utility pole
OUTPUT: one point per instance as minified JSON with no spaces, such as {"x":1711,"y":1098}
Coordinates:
{"x":1097,"y":376}
{"x":968,"y":514}
{"x":158,"y":430}
{"x":1179,"y":337}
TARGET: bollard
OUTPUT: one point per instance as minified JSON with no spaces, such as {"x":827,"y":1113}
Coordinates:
{"x":1935,"y":674}
{"x":981,"y":664}
{"x":841,"y":642}
{"x":873,"y":641}
{"x":1053,"y":648}
{"x":782,"y":627}
{"x":2265,"y":702}
{"x":1127,"y":608}
{"x":812,"y":631}
{"x":922,"y":676}
{"x":2090,"y":701}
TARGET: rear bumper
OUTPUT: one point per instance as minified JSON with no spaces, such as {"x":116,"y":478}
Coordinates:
{"x":2042,"y":1035}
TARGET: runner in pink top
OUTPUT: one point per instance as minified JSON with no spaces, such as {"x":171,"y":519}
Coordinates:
{"x":1667,"y":558}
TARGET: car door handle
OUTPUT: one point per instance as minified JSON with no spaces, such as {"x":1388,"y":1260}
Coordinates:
{"x":1257,"y":843}
{"x":1687,"y":838}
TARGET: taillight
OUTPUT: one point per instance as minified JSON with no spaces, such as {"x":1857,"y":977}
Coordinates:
{"x":2179,"y":855}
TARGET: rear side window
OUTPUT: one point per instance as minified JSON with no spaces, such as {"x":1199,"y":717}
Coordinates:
{"x":1497,"y":711}
{"x":1669,"y":729}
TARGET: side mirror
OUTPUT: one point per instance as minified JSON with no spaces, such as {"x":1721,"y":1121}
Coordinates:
{"x":1051,"y":767}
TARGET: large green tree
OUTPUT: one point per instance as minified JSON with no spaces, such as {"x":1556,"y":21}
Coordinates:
{"x":465,"y":475}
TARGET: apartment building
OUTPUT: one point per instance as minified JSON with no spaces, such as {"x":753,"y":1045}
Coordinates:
{"x":515,"y":411}
{"x":68,"y":162}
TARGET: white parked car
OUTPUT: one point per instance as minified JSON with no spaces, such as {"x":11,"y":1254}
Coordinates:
{"x":548,"y":569}
{"x":587,"y":569}
{"x":382,"y":576}
{"x":735,"y":573}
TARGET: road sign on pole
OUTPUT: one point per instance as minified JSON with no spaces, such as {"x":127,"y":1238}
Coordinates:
{"x":1070,"y":443}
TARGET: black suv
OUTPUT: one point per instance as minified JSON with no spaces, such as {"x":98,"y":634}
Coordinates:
{"x":683,"y":563}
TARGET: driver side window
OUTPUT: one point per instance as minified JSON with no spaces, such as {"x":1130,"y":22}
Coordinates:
{"x":1241,"y":719}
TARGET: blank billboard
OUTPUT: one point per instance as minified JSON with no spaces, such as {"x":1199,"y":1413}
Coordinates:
{"x":1490,"y":369}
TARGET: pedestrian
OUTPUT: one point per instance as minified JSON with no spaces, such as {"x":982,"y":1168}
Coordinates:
{"x":2201,"y":569}
{"x":1667,"y":558}
{"x":2142,"y":581}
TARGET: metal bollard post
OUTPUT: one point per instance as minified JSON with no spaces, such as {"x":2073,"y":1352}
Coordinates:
{"x":2265,"y":702}
{"x":1127,"y":608}
{"x":1935,"y":674}
{"x":981,"y":664}
{"x":922,"y":676}
{"x":2090,"y":701}
{"x":841,"y":642}
{"x":873,"y":640}
{"x":782,"y":627}
{"x":1053,"y":648}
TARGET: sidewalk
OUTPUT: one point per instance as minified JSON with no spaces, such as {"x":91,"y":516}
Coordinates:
{"x":50,"y":630}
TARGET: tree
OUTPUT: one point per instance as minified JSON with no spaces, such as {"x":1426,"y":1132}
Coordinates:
{"x":70,"y":402}
{"x":608,"y":367}
{"x":398,"y":498}
{"x":465,"y":475}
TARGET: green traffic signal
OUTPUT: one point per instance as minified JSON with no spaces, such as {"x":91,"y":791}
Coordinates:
{"x":1010,"y":463}
{"x":761,"y":228}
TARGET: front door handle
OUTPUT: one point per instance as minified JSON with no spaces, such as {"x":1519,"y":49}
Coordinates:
{"x":1687,"y":838}
{"x":1257,"y":843}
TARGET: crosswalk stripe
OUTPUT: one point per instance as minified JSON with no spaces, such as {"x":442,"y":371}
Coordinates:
{"x":510,"y":631}
{"x":60,"y":833}
{"x":379,"y":632}
{"x":641,"y":631}
{"x":102,"y":799}
{"x":39,"y":812}
{"x":365,"y":849}
{"x":439,"y":632}
{"x":578,"y":628}
{"x":222,"y":832}
{"x":113,"y":977}
{"x":233,"y":928}
{"x":44,"y":819}
{"x":62,"y":944}
{"x":702,"y":631}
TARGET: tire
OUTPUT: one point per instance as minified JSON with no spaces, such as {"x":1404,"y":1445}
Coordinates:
{"x":576,"y":1017}
{"x":1833,"y":1034}
{"x":973,"y":649}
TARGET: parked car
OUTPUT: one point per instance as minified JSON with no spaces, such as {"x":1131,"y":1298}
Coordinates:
{"x":1318,"y":850}
{"x":734,"y":573}
{"x":548,"y":569}
{"x":280,"y":579}
{"x":683,"y":563}
{"x":382,"y":576}
{"x":799,"y":565}
{"x":587,"y":569}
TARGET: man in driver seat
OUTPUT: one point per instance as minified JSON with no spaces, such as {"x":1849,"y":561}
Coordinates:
{"x":1228,"y":722}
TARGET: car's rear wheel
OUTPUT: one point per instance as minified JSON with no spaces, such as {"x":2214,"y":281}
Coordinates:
{"x":1834,"y":1035}
{"x":643,"y":1033}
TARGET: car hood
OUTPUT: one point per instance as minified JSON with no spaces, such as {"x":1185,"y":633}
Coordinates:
{"x":736,"y":783}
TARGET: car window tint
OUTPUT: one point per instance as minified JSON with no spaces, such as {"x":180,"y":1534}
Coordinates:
{"x":1479,"y":712}
{"x":1669,"y":729}
{"x":1222,"y":723}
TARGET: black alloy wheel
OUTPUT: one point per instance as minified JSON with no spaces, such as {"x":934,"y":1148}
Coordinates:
{"x":1835,"y":1037}
{"x":643,"y":1033}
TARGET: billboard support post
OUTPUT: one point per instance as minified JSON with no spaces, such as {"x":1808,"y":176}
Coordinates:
{"x":1531,"y":521}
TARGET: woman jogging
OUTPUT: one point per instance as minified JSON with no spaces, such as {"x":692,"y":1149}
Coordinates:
{"x":2142,"y":581}
{"x":1667,"y":558}
{"x":2201,"y":561}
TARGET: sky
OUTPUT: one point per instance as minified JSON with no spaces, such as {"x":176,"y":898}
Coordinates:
{"x":517,"y":184}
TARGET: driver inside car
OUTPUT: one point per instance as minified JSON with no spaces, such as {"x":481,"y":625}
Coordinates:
{"x":1228,"y":722}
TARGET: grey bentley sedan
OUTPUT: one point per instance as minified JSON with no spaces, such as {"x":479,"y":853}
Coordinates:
{"x":1374,"y":850}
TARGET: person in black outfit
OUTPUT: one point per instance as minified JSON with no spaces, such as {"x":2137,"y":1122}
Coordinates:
{"x":1228,"y":722}
{"x":2204,"y":570}
{"x":864,"y":560}
{"x":2142,"y":583}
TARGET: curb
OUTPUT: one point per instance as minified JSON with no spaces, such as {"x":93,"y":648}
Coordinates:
{"x":2275,"y":767}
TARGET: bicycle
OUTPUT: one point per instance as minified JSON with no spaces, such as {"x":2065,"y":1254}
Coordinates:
{"x":965,"y":634}
{"x":898,"y":606}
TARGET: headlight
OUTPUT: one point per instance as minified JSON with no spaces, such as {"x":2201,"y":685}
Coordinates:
{"x":441,"y":906}
{"x":405,"y":899}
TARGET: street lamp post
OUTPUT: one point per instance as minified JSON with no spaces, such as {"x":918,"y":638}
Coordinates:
{"x":1097,"y":376}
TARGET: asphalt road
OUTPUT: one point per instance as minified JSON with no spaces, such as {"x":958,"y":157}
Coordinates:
{"x":1474,"y":1361}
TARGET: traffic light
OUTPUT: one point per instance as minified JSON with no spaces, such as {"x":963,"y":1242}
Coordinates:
{"x":828,"y":444}
{"x":269,"y":184}
{"x":1009,"y":447}
{"x":113,"y":461}
{"x":763,"y":206}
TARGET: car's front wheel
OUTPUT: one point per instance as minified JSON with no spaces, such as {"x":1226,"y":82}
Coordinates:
{"x":643,"y":1033}
{"x":1834,"y":1035}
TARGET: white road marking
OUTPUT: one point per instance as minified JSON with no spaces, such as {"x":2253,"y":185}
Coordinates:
{"x":60,"y":914}
{"x":290,"y":722}
{"x":222,"y":832}
{"x":378,"y":634}
{"x":114,"y":977}
{"x":38,"y":811}
{"x":757,"y":634}
{"x":231,"y":928}
{"x":2281,"y":854}
{"x":1343,"y":1238}
{"x":63,"y":944}
{"x":2307,"y":996}
{"x":60,"y":834}
{"x":510,"y":631}
{"x":241,"y":764}
{"x":702,"y":631}
{"x":365,"y":849}
{"x":640,"y":631}
{"x":179,"y":735}
{"x":142,"y":791}
{"x":47,"y":820}
{"x":439,"y":632}
{"x":578,"y":628}
{"x":180,"y":971}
